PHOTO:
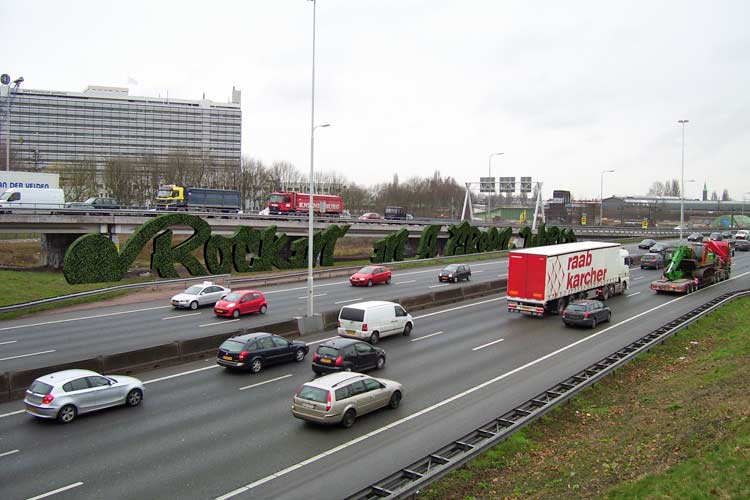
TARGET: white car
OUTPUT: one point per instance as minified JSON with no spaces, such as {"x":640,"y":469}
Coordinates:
{"x":742,"y":234}
{"x":207,"y":293}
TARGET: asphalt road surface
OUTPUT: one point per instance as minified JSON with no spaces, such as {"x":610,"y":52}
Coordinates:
{"x":203,"y":432}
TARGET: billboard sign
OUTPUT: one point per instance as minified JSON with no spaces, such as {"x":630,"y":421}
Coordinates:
{"x":525,"y":184}
{"x":486,"y":184}
{"x":507,"y":184}
{"x":33,"y":180}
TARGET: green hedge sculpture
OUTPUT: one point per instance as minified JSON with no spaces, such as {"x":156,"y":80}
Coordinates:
{"x":391,"y":248}
{"x":428,"y":242}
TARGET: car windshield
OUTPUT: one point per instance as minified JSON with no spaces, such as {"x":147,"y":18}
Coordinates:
{"x":164,"y":193}
{"x":232,"y":345}
{"x":648,"y":256}
{"x":450,"y":268}
{"x":277,"y":198}
{"x":366,"y":270}
{"x":324,"y":350}
{"x":233,"y":297}
{"x":40,"y":388}
{"x":352,"y":314}
{"x":313,"y":394}
{"x":90,"y":201}
{"x":194,"y":290}
{"x":5,"y":195}
{"x":577,"y":307}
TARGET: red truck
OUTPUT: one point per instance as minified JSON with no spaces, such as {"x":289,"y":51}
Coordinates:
{"x":545,"y":279}
{"x":293,"y":203}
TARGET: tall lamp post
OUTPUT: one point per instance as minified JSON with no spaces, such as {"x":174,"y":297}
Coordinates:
{"x":744,"y":200}
{"x":682,"y":187}
{"x":11,"y":92}
{"x":489,"y":198}
{"x":601,"y":196}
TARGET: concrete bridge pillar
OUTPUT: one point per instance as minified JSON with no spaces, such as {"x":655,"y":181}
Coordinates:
{"x":54,"y":247}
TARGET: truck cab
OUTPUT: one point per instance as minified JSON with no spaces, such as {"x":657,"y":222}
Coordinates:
{"x":170,"y":197}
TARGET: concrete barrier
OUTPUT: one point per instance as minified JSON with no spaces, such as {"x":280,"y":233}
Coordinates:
{"x":142,"y":360}
{"x":476,"y":290}
{"x":330,"y":319}
{"x":203,"y":347}
{"x":447,"y":296}
{"x":417,"y":302}
{"x":19,"y":381}
{"x":287,"y":328}
{"x":4,"y":388}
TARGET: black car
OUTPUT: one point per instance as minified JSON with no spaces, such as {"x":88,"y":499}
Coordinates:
{"x":742,"y":245}
{"x":345,"y":354}
{"x":253,"y":351}
{"x":586,"y":313}
{"x":652,"y":261}
{"x":727,"y":235}
{"x":657,"y":248}
{"x":455,"y":273}
{"x":716,"y":237}
{"x":646,"y":244}
{"x":695,"y":237}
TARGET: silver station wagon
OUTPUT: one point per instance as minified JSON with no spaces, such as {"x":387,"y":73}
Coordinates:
{"x":340,"y":398}
{"x":65,"y":395}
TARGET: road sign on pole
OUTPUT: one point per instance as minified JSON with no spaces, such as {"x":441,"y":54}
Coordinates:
{"x":486,"y":184}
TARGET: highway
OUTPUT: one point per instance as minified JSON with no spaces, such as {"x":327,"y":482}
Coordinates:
{"x":205,"y":433}
{"x":37,"y":341}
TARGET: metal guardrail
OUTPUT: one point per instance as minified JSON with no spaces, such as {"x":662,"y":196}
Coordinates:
{"x":228,"y":280}
{"x":407,"y":482}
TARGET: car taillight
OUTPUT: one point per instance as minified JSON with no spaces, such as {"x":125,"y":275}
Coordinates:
{"x":338,"y":323}
{"x":316,"y":357}
{"x":328,"y":401}
{"x":243,"y":354}
{"x":47,"y":399}
{"x":340,"y":360}
{"x":563,"y":314}
{"x":364,"y":327}
{"x":586,"y":315}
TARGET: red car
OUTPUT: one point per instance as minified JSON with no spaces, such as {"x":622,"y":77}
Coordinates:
{"x":370,"y":275}
{"x":369,"y":216}
{"x":241,"y":302}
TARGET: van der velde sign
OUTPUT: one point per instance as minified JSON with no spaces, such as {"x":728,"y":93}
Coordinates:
{"x":94,"y":258}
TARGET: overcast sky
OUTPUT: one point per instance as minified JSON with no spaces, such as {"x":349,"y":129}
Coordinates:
{"x":563,"y":89}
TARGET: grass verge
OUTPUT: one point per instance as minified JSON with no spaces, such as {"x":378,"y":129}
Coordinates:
{"x":673,"y":423}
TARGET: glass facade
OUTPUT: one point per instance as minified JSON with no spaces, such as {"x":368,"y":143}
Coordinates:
{"x":105,"y":123}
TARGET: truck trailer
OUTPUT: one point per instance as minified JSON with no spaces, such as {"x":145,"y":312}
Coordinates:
{"x":175,"y":197}
{"x":293,"y":203}
{"x":544,"y":279}
{"x":694,"y":266}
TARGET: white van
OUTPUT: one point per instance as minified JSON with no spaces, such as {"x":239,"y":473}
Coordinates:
{"x":32,"y":198}
{"x":374,"y":319}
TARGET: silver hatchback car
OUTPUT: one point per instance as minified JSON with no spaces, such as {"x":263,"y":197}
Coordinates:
{"x":340,"y":398}
{"x":66,"y":394}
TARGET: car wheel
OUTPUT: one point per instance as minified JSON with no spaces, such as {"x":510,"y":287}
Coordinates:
{"x":374,"y":338}
{"x":380,"y":363}
{"x":134,"y":397}
{"x":643,"y":267}
{"x":348,"y":419}
{"x":369,"y":282}
{"x":236,"y":313}
{"x":395,"y":400}
{"x":407,"y":329}
{"x":388,"y":281}
{"x":263,"y":309}
{"x":609,"y":317}
{"x":455,"y":280}
{"x":299,"y":355}
{"x":593,"y":323}
{"x":468,"y":277}
{"x":67,"y":414}
{"x":348,"y":369}
{"x":256,"y":365}
{"x":194,"y":305}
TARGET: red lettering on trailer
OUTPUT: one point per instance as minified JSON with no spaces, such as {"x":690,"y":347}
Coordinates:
{"x":579,"y":261}
{"x":586,"y":278}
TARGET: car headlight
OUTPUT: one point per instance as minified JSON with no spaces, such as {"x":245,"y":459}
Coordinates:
{"x":450,"y":275}
{"x":361,"y":279}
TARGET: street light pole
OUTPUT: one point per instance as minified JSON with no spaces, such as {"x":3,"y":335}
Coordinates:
{"x":601,"y":196}
{"x":489,"y":199}
{"x":311,"y":206}
{"x":682,"y":187}
{"x":11,"y":91}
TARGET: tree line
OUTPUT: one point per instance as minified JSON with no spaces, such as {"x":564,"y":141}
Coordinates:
{"x":672,"y":188}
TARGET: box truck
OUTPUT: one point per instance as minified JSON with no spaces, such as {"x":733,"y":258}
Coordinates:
{"x":544,"y":279}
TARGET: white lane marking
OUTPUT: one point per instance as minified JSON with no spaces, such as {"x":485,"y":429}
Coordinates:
{"x":85,"y":317}
{"x":426,"y":336}
{"x":437,"y":286}
{"x":27,"y":355}
{"x":181,"y":316}
{"x":632,"y":294}
{"x":487,"y":344}
{"x":502,"y":275}
{"x":443,"y":402}
{"x":348,"y":300}
{"x":9,"y":453}
{"x":58,"y":490}
{"x":477,"y":272}
{"x":314,"y":295}
{"x":180,"y":374}
{"x":18,"y":412}
{"x":304,"y":287}
{"x":404,"y":282}
{"x":219,"y":323}
{"x":8,"y":342}
{"x":266,"y":382}
{"x":639,"y":278}
{"x":459,"y":307}
{"x":321,"y":340}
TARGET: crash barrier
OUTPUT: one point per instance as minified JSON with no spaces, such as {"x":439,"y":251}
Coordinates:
{"x":407,"y":482}
{"x":228,"y":280}
{"x":14,"y":384}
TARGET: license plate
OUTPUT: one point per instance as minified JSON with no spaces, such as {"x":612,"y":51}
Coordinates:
{"x":326,"y":361}
{"x":308,"y":406}
{"x":228,"y":358}
{"x":351,"y":332}
{"x":31,"y":409}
